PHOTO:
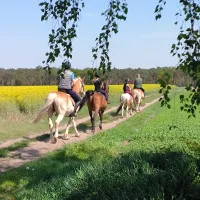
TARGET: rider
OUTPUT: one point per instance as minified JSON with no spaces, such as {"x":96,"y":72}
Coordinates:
{"x":105,"y":88}
{"x":98,"y":86}
{"x":127,"y":87}
{"x":138,"y":84}
{"x":66,"y":82}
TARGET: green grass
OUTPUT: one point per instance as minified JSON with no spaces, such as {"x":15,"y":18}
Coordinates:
{"x":142,"y":158}
{"x":18,"y":145}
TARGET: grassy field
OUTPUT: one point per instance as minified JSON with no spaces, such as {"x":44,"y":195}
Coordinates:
{"x":153,"y":155}
{"x":19,"y":106}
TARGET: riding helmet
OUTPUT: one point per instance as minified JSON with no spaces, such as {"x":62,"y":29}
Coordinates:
{"x":127,"y":80}
{"x":67,"y":65}
{"x":96,"y":75}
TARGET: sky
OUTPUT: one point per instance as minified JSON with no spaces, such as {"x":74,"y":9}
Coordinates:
{"x":142,"y":42}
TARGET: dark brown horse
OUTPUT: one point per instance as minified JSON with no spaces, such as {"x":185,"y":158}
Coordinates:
{"x":97,"y":104}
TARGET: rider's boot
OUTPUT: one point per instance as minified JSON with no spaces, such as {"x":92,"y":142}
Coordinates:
{"x":76,"y":109}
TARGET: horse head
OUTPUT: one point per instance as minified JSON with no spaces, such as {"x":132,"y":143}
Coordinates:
{"x":79,"y":86}
{"x":106,"y":86}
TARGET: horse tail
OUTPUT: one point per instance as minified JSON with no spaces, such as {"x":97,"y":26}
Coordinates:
{"x":120,"y":106}
{"x":85,"y":98}
{"x":49,"y":100}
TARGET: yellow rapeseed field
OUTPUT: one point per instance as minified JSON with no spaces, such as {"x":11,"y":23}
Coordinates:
{"x":10,"y":93}
{"x":28,"y":98}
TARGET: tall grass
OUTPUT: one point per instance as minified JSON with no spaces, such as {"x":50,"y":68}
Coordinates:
{"x":142,"y":158}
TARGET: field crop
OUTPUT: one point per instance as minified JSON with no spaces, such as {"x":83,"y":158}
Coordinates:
{"x":28,"y":99}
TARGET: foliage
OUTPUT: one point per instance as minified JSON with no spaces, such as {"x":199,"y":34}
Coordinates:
{"x":187,"y":49}
{"x":9,"y":77}
{"x":65,"y":15}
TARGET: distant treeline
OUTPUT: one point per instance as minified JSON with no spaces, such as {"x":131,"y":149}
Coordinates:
{"x":38,"y":76}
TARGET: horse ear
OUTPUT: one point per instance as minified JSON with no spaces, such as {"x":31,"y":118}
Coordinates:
{"x":83,"y":79}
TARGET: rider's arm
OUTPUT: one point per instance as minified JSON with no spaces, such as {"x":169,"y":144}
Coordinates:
{"x":72,"y":77}
{"x":129,"y":87}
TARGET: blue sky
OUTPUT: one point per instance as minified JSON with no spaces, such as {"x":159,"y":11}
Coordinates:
{"x":141,"y":41}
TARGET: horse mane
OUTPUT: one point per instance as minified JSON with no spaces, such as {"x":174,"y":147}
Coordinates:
{"x":85,"y":98}
{"x":76,"y":79}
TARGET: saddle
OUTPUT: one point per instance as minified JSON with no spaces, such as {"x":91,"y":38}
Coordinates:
{"x":101,"y":93}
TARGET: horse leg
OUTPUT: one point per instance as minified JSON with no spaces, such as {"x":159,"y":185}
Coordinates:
{"x":122,"y":110}
{"x":136,"y":105}
{"x":76,"y":131}
{"x":127,"y":109}
{"x":50,"y":114}
{"x":140,"y":103}
{"x":131,"y":108}
{"x":101,"y":119}
{"x":93,"y":121}
{"x":66,"y":137}
{"x":57,"y":122}
{"x":90,"y":113}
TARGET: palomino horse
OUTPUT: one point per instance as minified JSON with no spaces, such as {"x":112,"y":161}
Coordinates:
{"x":138,"y":95}
{"x":126,"y":103}
{"x":62,"y":104}
{"x":97,"y":104}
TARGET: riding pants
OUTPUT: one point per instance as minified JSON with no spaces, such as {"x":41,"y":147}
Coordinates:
{"x":71,"y":93}
{"x":104,"y":93}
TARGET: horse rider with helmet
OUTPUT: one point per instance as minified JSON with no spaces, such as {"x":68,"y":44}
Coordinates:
{"x":66,"y":82}
{"x":127,"y":87}
{"x":138,"y":83}
{"x":98,"y":86}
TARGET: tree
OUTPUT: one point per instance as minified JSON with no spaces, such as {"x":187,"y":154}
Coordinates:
{"x":187,"y":49}
{"x":65,"y":14}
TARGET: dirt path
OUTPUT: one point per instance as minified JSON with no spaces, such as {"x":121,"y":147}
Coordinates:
{"x":40,"y":148}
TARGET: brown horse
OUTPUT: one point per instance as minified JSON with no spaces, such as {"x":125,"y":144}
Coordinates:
{"x":62,"y":104}
{"x":138,"y":96}
{"x":97,"y":104}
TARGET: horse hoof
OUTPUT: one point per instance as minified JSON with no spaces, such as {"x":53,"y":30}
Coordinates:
{"x":100,"y":127}
{"x":93,"y":131}
{"x":77,"y":135}
{"x":65,"y":138}
{"x":54,"y":140}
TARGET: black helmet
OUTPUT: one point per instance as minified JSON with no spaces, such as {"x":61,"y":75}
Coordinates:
{"x":127,"y":80}
{"x":96,"y":75}
{"x":67,"y":65}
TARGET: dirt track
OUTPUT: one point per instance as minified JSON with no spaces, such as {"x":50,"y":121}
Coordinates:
{"x":40,"y":148}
